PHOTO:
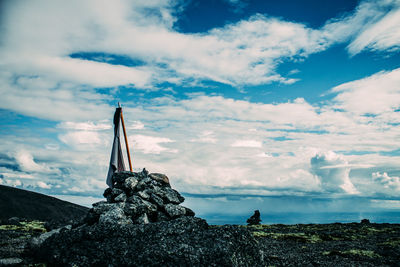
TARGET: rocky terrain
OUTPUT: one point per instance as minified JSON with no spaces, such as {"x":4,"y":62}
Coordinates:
{"x":142,"y":223}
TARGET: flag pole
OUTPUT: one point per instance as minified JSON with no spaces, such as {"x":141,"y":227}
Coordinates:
{"x":126,"y":141}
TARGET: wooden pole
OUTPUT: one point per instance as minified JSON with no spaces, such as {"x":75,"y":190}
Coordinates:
{"x":126,"y":142}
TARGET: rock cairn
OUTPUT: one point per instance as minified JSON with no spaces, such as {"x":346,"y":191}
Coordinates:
{"x":255,"y":218}
{"x":138,"y":198}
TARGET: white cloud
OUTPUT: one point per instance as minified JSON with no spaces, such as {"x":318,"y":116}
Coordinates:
{"x":85,"y":126}
{"x":385,"y":183}
{"x":335,"y":178}
{"x":81,"y":137}
{"x":11,"y":182}
{"x":136,"y":125}
{"x":151,"y":144}
{"x":381,"y":34}
{"x":246,"y":143}
{"x":205,"y":137}
{"x":48,"y":99}
{"x":26,"y":163}
{"x":43,"y":185}
{"x":377,"y":94}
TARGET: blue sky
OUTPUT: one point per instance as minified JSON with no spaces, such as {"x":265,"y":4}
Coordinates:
{"x":266,"y":102}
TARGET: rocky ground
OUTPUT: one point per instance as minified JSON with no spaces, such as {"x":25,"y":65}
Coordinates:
{"x":352,"y":244}
{"x":142,"y":223}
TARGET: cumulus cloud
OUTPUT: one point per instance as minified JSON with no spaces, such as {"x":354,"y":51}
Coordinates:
{"x":26,"y":163}
{"x":385,"y":183}
{"x":332,"y":172}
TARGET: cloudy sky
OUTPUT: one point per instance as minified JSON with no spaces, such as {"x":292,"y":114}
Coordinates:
{"x":245,"y":104}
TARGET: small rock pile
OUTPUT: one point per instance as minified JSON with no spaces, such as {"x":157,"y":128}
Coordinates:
{"x":138,"y":198}
{"x":254,"y":219}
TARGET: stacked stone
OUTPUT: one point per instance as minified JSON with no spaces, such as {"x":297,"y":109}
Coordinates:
{"x":139,"y":198}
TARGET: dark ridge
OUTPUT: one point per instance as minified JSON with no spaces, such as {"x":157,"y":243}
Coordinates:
{"x":29,"y":205}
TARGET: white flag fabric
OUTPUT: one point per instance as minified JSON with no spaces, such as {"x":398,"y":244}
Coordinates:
{"x":116,"y":160}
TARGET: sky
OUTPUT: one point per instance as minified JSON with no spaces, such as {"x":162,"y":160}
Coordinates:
{"x":281,"y":106}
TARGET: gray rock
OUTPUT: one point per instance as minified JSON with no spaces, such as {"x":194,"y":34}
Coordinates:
{"x":156,"y":200}
{"x":144,"y":183}
{"x":120,"y":198}
{"x":10,"y":261}
{"x":116,"y":192}
{"x":143,"y":219}
{"x":143,"y":195}
{"x":161,"y":216}
{"x":37,"y":241}
{"x":133,"y":210}
{"x":149,"y":206}
{"x":107,"y":192}
{"x":159,"y":177}
{"x":189,"y":212}
{"x":130,"y":183}
{"x":144,"y":172}
{"x":134,"y":200}
{"x":174,"y":210}
{"x":137,"y":206}
{"x":13,"y":221}
{"x":120,"y":177}
{"x":114,"y":216}
{"x":102,"y":206}
{"x":170,"y":195}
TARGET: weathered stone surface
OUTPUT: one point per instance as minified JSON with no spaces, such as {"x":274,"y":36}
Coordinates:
{"x":36,"y":242}
{"x":174,"y":210}
{"x":160,"y":178}
{"x":116,"y":192}
{"x":130,"y":183}
{"x":102,"y":206}
{"x":156,"y":200}
{"x":170,"y":195}
{"x":143,"y":219}
{"x":120,"y":198}
{"x":13,"y":221}
{"x":143,"y":195}
{"x":143,"y":184}
{"x":161,"y":216}
{"x":10,"y":261}
{"x":120,"y":177}
{"x":186,"y":241}
{"x":107,"y":192}
{"x":114,"y":216}
{"x":189,"y":212}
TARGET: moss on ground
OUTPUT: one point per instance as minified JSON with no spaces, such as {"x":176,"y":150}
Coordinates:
{"x":300,"y":237}
{"x":391,"y":242}
{"x":353,"y":252}
{"x":26,"y":226}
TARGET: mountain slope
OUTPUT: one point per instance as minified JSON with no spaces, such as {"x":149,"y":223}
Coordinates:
{"x":25,"y":204}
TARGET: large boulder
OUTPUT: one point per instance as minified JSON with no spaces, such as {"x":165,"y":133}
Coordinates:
{"x":186,"y":241}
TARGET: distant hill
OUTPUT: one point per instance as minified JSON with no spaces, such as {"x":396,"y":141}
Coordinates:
{"x":29,"y":205}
